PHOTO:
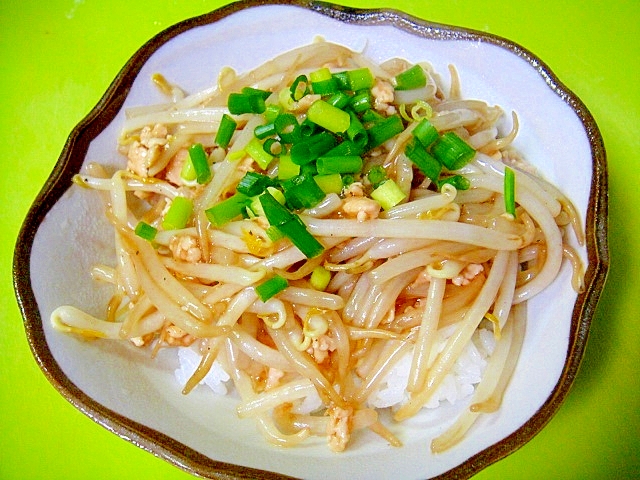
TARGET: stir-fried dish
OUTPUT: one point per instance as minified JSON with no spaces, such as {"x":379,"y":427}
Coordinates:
{"x":332,"y":238}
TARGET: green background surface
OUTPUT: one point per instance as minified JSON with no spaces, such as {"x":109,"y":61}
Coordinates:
{"x":57,"y":59}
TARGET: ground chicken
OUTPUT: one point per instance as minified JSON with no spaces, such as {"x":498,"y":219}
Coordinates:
{"x":361,"y":208}
{"x":339,"y":428}
{"x":185,"y":248}
{"x":383,"y":97}
{"x":321,"y":347}
{"x":175,"y":336}
{"x":469,"y":273}
{"x":144,"y":152}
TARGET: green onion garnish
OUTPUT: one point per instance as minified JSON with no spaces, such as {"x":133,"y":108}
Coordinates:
{"x":274,"y":147}
{"x":428,"y":165}
{"x":146,"y":231}
{"x":299,"y":88}
{"x":458,"y":181}
{"x":322,"y":82}
{"x":384,"y":130}
{"x":227,"y":126}
{"x":225,"y":211}
{"x":256,"y":151}
{"x":286,"y":168}
{"x":331,"y":183}
{"x":271,"y":111}
{"x":328,"y":117}
{"x":388,"y":194}
{"x":310,"y":149}
{"x":356,"y":132}
{"x":239,"y":103}
{"x":302,"y":191}
{"x":264,"y":94}
{"x":425,"y":132}
{"x":271,"y":287}
{"x":360,"y":79}
{"x":339,"y":100}
{"x":453,"y":152}
{"x":510,"y":191}
{"x":344,"y":164}
{"x":200,"y":163}
{"x":287,"y":127}
{"x":411,"y":79}
{"x":264,"y":131}
{"x":178,"y":214}
{"x":290,"y":225}
{"x":377,"y":175}
{"x":361,"y":101}
{"x":253,"y":183}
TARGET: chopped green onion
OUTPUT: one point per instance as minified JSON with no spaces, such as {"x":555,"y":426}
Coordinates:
{"x":345,"y":164}
{"x":256,"y":207}
{"x":271,"y":287}
{"x":339,"y":100}
{"x":287,"y":127}
{"x":264,"y":94}
{"x":227,"y":127}
{"x":425,"y":132}
{"x":290,"y":225}
{"x":322,"y":83}
{"x":256,"y":151}
{"x":510,"y":191}
{"x":356,"y":132}
{"x":146,"y":231}
{"x":239,"y":103}
{"x":388,"y":194}
{"x":331,"y":183}
{"x":302,"y":191}
{"x":178,"y":214}
{"x":377,"y":175}
{"x":225,"y":211}
{"x":188,"y":173}
{"x":286,"y":168}
{"x":310,"y":149}
{"x":264,"y":131}
{"x":296,"y":231}
{"x":411,"y":79}
{"x":458,"y":181}
{"x":320,"y":75}
{"x":422,"y":159}
{"x":384,"y":130}
{"x":346,"y":148}
{"x":342,"y":80}
{"x":360,"y":79}
{"x":200,"y":162}
{"x":253,"y":183}
{"x":273,"y":233}
{"x":328,"y":117}
{"x":347,"y":180}
{"x":320,"y":278}
{"x":299,"y":88}
{"x":308,"y":128}
{"x":371,"y":116}
{"x":271,"y":111}
{"x":361,"y":102}
{"x":453,"y":152}
{"x":274,"y":147}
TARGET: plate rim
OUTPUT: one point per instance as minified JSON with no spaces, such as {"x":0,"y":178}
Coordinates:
{"x":73,"y":155}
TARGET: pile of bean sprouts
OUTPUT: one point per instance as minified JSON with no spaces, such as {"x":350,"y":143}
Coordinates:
{"x":439,"y":259}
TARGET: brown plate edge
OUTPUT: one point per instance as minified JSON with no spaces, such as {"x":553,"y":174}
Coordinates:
{"x":72,"y":157}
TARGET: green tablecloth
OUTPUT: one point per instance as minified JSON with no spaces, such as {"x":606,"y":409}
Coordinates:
{"x":58,"y":57}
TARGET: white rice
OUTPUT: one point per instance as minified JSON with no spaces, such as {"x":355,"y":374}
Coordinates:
{"x":456,"y":386}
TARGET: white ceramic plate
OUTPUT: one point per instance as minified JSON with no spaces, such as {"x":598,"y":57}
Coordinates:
{"x":138,"y":398}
